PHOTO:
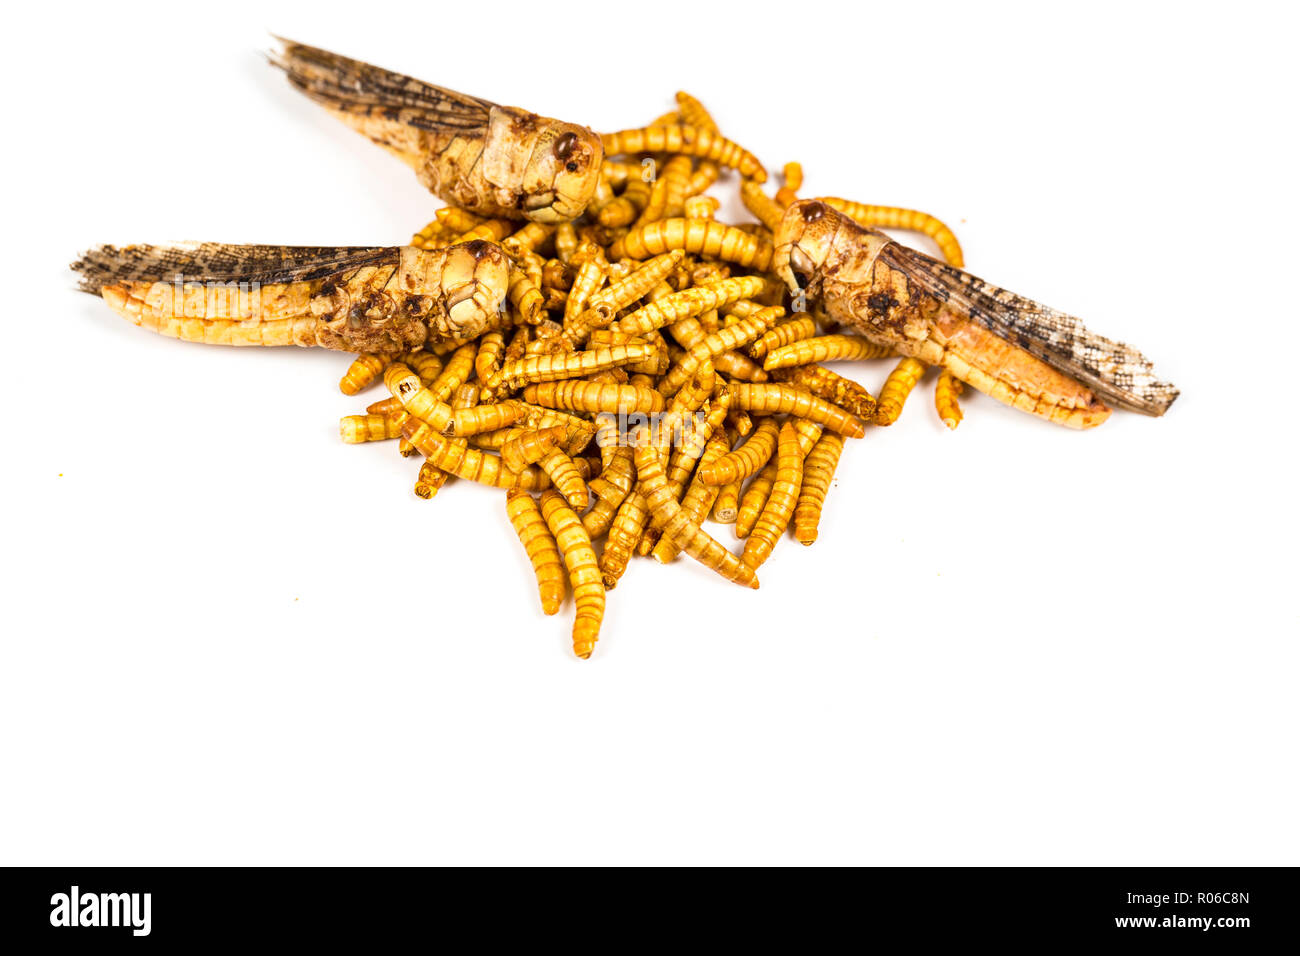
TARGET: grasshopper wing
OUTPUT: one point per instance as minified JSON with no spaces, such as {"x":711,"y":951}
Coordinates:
{"x":360,"y":90}
{"x":1116,"y":371}
{"x":223,"y":262}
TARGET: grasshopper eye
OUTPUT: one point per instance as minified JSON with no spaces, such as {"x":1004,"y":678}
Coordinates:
{"x":571,"y":167}
{"x":564,"y":145}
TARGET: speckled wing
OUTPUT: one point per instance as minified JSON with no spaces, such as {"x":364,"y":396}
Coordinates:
{"x":352,"y":87}
{"x":1115,"y":371}
{"x":223,"y":262}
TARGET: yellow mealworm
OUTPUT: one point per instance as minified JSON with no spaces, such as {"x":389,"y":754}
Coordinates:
{"x":624,"y":209}
{"x":491,"y":347}
{"x":894,"y":217}
{"x":597,"y":521}
{"x":777,"y":399}
{"x":679,"y":305}
{"x":946,"y":391}
{"x":765,"y":209}
{"x":576,"y":395}
{"x":669,"y":517}
{"x":807,"y":434}
{"x":385,"y":406}
{"x":836,"y":389}
{"x":584,"y":571}
{"x":706,"y":237}
{"x":539,"y":544}
{"x":433,"y":236}
{"x":624,"y":534}
{"x":696,"y":503}
{"x":528,"y":238}
{"x":529,"y":445}
{"x":754,"y":498}
{"x":484,"y":418}
{"x":700,"y":207}
{"x":455,"y":456}
{"x":638,"y":283}
{"x":355,"y":429}
{"x":565,"y":477}
{"x":525,"y":296}
{"x":740,"y":421}
{"x":712,"y":346}
{"x":363,"y":371}
{"x":727,"y":503}
{"x":791,"y":183}
{"x":592,"y":270}
{"x":424,"y":364}
{"x":781,"y":501}
{"x":688,"y":140}
{"x":739,"y":367}
{"x":746,"y":460}
{"x":825,"y":348}
{"x":455,"y":219}
{"x":788,"y":332}
{"x":897,"y":387}
{"x":818,"y":469}
{"x":578,"y":431}
{"x":615,"y":479}
{"x":415,"y":398}
{"x":550,"y":368}
{"x":455,"y":373}
{"x":430,"y":480}
{"x":566,"y":241}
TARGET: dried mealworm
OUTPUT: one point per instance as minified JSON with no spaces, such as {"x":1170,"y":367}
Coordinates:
{"x":624,"y":534}
{"x":696,"y":503}
{"x":825,"y":348}
{"x":754,"y":498}
{"x":415,"y":398}
{"x":584,"y":571}
{"x":455,"y":373}
{"x":746,"y":460}
{"x":818,"y":469}
{"x":765,"y":209}
{"x":781,"y":500}
{"x":894,"y":217}
{"x":836,"y":389}
{"x":776,"y":399}
{"x":564,"y":475}
{"x":550,"y":368}
{"x":455,"y":456}
{"x":677,"y":525}
{"x":946,"y":391}
{"x":355,"y":429}
{"x":539,"y":544}
{"x":576,"y":395}
{"x":430,"y":480}
{"x":706,"y":237}
{"x":484,"y":418}
{"x":529,"y":445}
{"x":363,"y":371}
{"x":679,"y":305}
{"x":687,"y":140}
{"x":897,"y":387}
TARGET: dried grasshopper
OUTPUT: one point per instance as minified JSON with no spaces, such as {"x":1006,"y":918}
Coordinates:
{"x":371,"y":300}
{"x":497,"y":161}
{"x":1023,"y":354}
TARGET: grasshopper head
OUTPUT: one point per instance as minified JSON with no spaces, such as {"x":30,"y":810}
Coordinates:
{"x":804,"y":240}
{"x":562,"y":172}
{"x":473,"y":285}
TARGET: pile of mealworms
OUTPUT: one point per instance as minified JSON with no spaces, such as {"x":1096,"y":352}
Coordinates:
{"x":643,"y":377}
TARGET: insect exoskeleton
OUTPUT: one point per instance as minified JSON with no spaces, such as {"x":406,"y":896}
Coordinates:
{"x":1020,"y":352}
{"x":377,"y":301}
{"x":498,"y":161}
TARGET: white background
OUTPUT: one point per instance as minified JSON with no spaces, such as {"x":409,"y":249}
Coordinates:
{"x":229,"y":638}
